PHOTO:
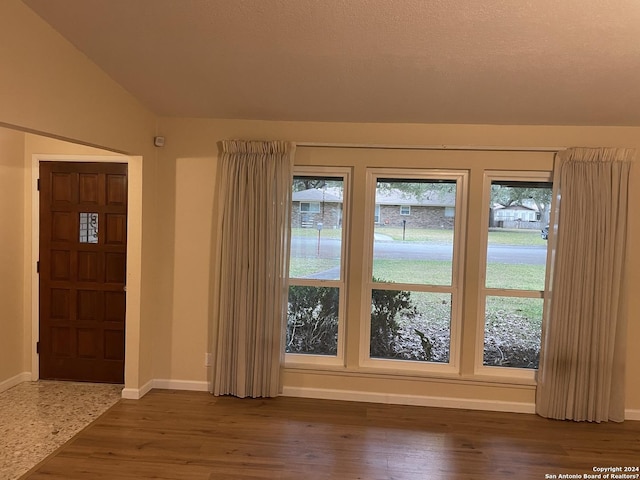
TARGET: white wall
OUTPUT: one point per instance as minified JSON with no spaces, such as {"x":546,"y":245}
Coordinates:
{"x":189,"y":171}
{"x":50,"y":88}
{"x":12,"y":251}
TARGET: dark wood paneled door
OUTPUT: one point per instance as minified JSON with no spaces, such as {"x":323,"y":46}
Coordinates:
{"x":83,"y":244}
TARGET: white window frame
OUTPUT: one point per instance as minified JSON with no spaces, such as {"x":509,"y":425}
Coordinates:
{"x":302,"y":360}
{"x":481,"y":370}
{"x":378,"y":365}
{"x":407,"y":212}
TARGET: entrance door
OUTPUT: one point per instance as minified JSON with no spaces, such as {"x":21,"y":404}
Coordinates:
{"x":83,"y":243}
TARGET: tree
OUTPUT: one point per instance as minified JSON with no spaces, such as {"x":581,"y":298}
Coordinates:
{"x":306,"y":183}
{"x":508,"y":195}
{"x":419,"y":189}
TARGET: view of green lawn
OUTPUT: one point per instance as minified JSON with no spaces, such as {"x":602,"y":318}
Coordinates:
{"x":425,"y":272}
{"x":512,"y":323}
{"x":527,"y":308}
{"x":515,"y":276}
{"x":313,"y":233}
{"x":303,"y":267}
{"x":497,"y":236}
{"x":499,"y":275}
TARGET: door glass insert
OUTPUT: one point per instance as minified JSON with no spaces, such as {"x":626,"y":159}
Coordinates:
{"x":88,"y":227}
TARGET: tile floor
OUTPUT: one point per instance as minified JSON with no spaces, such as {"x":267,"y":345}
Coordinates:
{"x":38,"y":417}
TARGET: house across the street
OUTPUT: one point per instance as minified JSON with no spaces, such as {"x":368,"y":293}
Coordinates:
{"x":316,"y":206}
{"x":515,"y":216}
{"x":431,"y":210}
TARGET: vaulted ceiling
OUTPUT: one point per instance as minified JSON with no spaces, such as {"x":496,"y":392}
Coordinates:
{"x":573,"y":62}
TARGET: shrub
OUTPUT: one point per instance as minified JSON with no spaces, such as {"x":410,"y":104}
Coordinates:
{"x":312,"y":320}
{"x":386,"y":306}
{"x":398,"y":331}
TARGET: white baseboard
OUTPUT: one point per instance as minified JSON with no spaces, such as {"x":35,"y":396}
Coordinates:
{"x":630,"y":414}
{"x":164,"y":384}
{"x":328,"y":394}
{"x":15,"y":380}
{"x":416,"y":400}
{"x":137,"y":393}
{"x":181,"y":385}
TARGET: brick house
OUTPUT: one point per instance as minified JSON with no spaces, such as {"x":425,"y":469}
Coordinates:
{"x":431,"y":210}
{"x":313,"y":206}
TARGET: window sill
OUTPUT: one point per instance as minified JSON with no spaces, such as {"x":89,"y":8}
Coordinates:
{"x":477,"y":379}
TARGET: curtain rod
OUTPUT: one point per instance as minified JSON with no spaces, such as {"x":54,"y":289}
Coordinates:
{"x":488,"y":148}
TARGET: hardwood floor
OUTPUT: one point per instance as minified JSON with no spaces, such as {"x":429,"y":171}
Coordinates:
{"x":193,"y":435}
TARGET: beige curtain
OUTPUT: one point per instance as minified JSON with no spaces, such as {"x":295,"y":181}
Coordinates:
{"x":581,"y":375}
{"x":254,"y":185}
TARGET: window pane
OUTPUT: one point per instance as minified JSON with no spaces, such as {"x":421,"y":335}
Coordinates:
{"x":410,"y":325}
{"x":413,"y":238}
{"x":512,"y":332}
{"x":312,"y":320}
{"x":516,"y":247}
{"x":88,"y":227}
{"x":307,"y":207}
{"x":316,"y":228}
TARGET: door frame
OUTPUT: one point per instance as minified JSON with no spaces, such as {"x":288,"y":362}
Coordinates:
{"x":134,"y":262}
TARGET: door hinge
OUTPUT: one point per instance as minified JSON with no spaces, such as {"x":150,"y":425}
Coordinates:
{"x":38,"y":266}
{"x":38,"y":184}
{"x":37,"y":347}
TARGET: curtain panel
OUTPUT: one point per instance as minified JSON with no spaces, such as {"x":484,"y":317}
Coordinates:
{"x":582,"y":369}
{"x":250,"y":301}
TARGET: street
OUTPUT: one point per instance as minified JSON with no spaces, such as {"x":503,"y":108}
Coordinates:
{"x":330,"y":248}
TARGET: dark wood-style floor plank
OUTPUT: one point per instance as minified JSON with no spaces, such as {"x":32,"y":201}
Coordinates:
{"x":193,"y":435}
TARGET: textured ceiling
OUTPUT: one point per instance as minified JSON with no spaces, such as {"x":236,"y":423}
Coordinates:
{"x":431,"y":61}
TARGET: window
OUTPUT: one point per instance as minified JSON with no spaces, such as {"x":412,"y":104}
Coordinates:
{"x":310,"y":207}
{"x":413,"y":286}
{"x":88,"y":227}
{"x":515,"y":270}
{"x":316,"y":271}
{"x":378,"y":293}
